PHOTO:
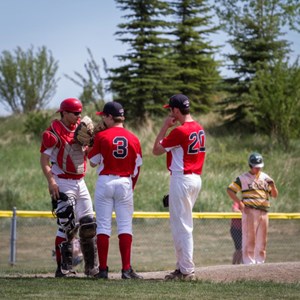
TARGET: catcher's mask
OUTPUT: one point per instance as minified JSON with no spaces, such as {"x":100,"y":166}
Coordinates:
{"x":64,"y":211}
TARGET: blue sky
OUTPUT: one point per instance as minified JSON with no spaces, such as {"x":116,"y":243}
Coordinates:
{"x":67,"y":28}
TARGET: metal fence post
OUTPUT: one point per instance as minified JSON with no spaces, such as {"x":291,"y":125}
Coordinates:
{"x":13,"y":238}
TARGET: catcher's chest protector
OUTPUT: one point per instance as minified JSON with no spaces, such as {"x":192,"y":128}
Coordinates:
{"x":71,"y":157}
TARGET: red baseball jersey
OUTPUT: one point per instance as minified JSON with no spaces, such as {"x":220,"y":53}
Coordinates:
{"x":68,"y":159}
{"x":117,"y":151}
{"x":185,"y":146}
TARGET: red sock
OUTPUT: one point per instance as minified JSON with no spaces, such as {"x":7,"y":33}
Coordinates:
{"x":125,"y":241}
{"x":58,"y":241}
{"x":102,"y":245}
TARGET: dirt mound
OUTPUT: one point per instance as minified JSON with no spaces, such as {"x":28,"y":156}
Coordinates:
{"x":275,"y":272}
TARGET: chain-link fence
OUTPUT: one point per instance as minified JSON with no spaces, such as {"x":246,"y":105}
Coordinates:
{"x":152,"y":242}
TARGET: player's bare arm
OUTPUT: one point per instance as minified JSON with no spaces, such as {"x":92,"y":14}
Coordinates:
{"x":274,"y":191}
{"x":235,"y":198}
{"x":158,"y":149}
{"x":52,"y":185}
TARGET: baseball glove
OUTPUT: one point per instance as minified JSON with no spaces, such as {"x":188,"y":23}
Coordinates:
{"x":100,"y":127}
{"x":84,"y":133}
{"x":165,"y":200}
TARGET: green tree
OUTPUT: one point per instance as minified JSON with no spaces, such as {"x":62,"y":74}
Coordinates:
{"x":36,"y":123}
{"x":193,"y":52}
{"x":145,"y":78}
{"x":92,"y":85}
{"x":255,"y":30}
{"x":27,"y":79}
{"x":275,"y":94}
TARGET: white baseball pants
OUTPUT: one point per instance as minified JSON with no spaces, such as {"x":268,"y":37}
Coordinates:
{"x":184,"y":190}
{"x":83,"y":202}
{"x":114,"y":193}
{"x":255,"y":224}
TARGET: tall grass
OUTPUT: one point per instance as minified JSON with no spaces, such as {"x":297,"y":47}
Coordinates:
{"x":23,"y":185}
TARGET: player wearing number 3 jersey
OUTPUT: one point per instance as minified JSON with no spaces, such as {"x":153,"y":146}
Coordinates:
{"x":117,"y":153}
{"x":185,"y":147}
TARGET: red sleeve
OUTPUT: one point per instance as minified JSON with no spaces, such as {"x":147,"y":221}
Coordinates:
{"x":49,"y":140}
{"x":95,"y":149}
{"x":173,"y":139}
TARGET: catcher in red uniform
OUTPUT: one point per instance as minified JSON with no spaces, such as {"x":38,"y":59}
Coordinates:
{"x":118,"y":155}
{"x":63,"y":161}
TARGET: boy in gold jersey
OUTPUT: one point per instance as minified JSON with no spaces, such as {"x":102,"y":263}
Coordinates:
{"x":255,"y":187}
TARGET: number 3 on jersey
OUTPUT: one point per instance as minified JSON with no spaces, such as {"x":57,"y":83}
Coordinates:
{"x":122,"y":147}
{"x":198,"y":142}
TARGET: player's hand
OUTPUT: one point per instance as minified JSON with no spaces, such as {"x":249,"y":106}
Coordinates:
{"x":170,"y":121}
{"x":54,"y":190}
{"x":241,"y":206}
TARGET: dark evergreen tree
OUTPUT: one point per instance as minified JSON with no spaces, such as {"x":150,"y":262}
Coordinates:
{"x":194,"y":53}
{"x":255,"y":30}
{"x":145,"y":77}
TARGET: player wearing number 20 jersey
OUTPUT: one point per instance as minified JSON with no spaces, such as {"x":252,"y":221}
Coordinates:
{"x":187,"y":143}
{"x":117,"y":153}
{"x":185,"y":147}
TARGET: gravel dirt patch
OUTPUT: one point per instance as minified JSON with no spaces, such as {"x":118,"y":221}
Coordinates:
{"x":274,"y":272}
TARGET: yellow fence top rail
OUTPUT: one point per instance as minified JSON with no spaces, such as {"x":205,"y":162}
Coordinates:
{"x":150,"y":215}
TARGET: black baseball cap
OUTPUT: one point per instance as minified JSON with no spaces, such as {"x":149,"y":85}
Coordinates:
{"x":112,"y":108}
{"x":179,"y":101}
{"x":256,"y":160}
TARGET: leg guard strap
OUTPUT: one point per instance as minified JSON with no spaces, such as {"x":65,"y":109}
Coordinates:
{"x":89,"y":252}
{"x":87,"y":230}
{"x":66,"y":257}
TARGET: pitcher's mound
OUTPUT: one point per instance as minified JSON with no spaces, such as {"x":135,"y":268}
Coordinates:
{"x":275,"y":272}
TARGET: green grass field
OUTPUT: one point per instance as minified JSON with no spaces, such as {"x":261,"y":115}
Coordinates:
{"x":51,"y":288}
{"x":22,"y":185}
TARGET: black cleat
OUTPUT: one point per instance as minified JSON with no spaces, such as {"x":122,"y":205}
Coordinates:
{"x":103,"y":274}
{"x":60,"y":274}
{"x":175,"y":275}
{"x":130,"y":274}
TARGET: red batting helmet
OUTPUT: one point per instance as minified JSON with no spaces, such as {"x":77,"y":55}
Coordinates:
{"x":71,"y":105}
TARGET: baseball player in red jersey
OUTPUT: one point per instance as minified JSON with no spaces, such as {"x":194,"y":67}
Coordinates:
{"x":185,"y":147}
{"x":256,"y":187}
{"x":118,"y":155}
{"x":63,"y":162}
